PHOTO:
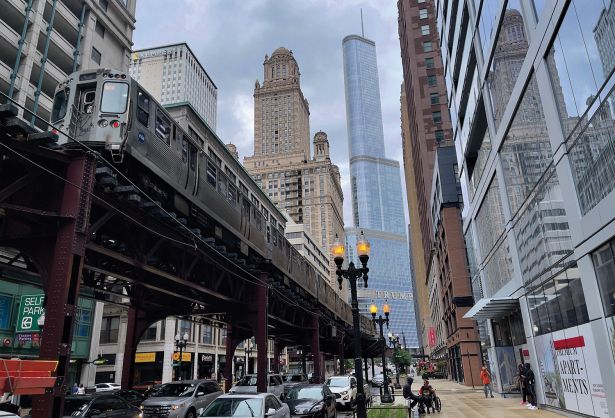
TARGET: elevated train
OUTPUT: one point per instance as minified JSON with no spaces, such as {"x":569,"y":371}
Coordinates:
{"x":196,"y":178}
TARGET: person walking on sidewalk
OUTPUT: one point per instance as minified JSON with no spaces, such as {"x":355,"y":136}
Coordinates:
{"x":486,"y":378}
{"x":530,"y":382}
{"x":521,"y":380}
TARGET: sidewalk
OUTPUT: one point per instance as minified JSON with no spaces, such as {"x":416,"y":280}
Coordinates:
{"x":460,"y":401}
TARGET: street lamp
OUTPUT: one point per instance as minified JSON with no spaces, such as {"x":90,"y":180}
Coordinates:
{"x":353,"y":274}
{"x":380,"y":321}
{"x":180,"y":343}
{"x":396,"y":344}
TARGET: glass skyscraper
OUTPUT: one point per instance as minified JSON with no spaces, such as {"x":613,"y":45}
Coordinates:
{"x":377,"y":206}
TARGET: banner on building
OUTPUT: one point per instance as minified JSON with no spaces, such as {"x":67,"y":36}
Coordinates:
{"x":568,"y":367}
{"x":185,"y":356}
{"x":145,"y":357}
{"x":432,"y":337}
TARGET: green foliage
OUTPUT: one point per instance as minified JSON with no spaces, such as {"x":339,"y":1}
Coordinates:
{"x":387,"y":412}
{"x":401,"y":358}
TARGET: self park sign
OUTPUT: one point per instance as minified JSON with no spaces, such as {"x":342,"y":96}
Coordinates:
{"x":30,"y":310}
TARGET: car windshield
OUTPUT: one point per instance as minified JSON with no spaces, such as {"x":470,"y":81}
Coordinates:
{"x":314,"y":392}
{"x":337,"y":382}
{"x":247,"y":381}
{"x":234,"y":407}
{"x":175,"y":390}
{"x":294,"y":378}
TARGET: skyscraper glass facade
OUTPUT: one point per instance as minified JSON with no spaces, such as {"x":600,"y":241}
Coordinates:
{"x":377,"y":205}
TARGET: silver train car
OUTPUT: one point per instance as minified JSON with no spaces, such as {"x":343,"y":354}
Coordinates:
{"x":198,"y":179}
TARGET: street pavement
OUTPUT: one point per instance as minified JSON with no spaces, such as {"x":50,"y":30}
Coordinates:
{"x":460,"y":401}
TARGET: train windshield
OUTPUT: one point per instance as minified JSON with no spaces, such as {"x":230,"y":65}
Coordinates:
{"x":59,"y":105}
{"x":114,"y":97}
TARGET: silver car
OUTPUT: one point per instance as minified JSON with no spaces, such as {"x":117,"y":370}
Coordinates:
{"x":258,"y":405}
{"x":183,"y":399}
{"x":247,"y":384}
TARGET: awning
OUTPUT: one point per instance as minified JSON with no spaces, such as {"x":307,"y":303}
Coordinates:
{"x":488,"y":308}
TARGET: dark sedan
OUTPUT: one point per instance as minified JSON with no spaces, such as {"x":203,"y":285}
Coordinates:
{"x":311,"y":401}
{"x":99,"y":405}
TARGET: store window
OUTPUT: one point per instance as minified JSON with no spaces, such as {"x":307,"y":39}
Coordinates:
{"x":208,"y":334}
{"x":83,"y":322}
{"x":150,"y":333}
{"x":604,"y":264}
{"x":109,"y":329}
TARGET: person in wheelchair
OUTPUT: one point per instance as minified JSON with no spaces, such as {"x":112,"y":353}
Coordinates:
{"x":429,"y":395}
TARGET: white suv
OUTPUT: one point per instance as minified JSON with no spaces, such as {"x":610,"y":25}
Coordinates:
{"x":247,"y":384}
{"x":344,"y":388}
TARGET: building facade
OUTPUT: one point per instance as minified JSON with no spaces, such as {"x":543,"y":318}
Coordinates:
{"x":377,"y":206}
{"x":438,"y":246}
{"x":172,"y":74}
{"x":532,"y":125}
{"x":307,"y":187}
{"x":78,"y":35}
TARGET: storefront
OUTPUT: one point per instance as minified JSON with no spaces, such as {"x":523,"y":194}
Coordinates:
{"x":183,"y":370}
{"x":148,"y":367}
{"x":205,"y":366}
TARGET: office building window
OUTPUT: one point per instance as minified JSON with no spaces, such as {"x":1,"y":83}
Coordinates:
{"x":424,"y":29}
{"x":423,"y":14}
{"x":208,"y":334}
{"x":109,"y":329}
{"x":434,"y":98}
{"x":432,"y":81}
{"x":104,"y":4}
{"x":150,"y":333}
{"x":83,"y":323}
{"x":427,"y":47}
{"x":429,"y":62}
{"x":96,"y":57}
{"x":604,"y":264}
{"x":439,"y":135}
{"x":420,"y":1}
{"x":436,"y":116}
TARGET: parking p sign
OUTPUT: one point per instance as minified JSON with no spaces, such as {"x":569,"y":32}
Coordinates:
{"x":30,"y":309}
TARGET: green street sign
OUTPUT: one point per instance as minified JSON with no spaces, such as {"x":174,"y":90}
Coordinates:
{"x":30,"y":310}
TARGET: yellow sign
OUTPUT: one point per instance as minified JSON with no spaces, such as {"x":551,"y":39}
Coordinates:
{"x":145,"y":357}
{"x":185,"y":356}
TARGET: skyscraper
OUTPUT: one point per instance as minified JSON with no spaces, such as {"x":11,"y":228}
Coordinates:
{"x":308,"y":188}
{"x":377,"y":206}
{"x":173,"y":75}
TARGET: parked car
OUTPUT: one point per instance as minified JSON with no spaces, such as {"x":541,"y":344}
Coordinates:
{"x":378,"y":380}
{"x":107,"y":387}
{"x":258,"y":405}
{"x":292,"y":380}
{"x":147,"y":387}
{"x":311,"y":401}
{"x":4,"y":414}
{"x":183,"y":399}
{"x":344,"y":388}
{"x":104,"y":404}
{"x":133,"y":397}
{"x":247,"y":384}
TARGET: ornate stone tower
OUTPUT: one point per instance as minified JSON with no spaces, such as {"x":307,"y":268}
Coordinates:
{"x":321,"y":146}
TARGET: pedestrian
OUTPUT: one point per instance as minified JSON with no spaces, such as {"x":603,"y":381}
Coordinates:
{"x":530,"y":382}
{"x":486,"y":378}
{"x":81,"y":390}
{"x":521,"y":380}
{"x":74,"y":389}
{"x":412,"y":398}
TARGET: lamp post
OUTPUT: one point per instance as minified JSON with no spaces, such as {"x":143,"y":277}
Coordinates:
{"x":396,"y":344}
{"x":353,"y":274}
{"x":180,"y":342}
{"x":248,"y":354}
{"x":380,"y":321}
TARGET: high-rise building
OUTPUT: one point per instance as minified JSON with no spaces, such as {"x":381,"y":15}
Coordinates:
{"x":434,"y":198}
{"x":307,"y":188}
{"x":173,"y":75}
{"x":79,"y":35}
{"x":377,"y":206}
{"x":531,"y":106}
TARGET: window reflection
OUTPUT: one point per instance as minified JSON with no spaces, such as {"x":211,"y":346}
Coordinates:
{"x":559,"y":303}
{"x":490,"y":219}
{"x":486,"y":24}
{"x":510,"y":51}
{"x":604,"y":264}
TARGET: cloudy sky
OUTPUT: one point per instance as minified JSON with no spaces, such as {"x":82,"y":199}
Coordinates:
{"x":231,"y":38}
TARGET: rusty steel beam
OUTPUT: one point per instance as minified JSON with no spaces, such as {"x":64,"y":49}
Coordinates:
{"x":17,"y":185}
{"x":62,"y":285}
{"x":260,"y":334}
{"x":316,"y":349}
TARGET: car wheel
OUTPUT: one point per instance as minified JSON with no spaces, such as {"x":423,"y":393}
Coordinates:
{"x":191,"y":414}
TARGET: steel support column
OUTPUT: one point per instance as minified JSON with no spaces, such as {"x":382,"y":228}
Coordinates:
{"x":260,"y":334}
{"x":316,"y":376}
{"x":62,"y":284}
{"x":276,"y":356}
{"x":135,"y":327}
{"x":341,"y":357}
{"x":228,"y":357}
{"x":366,"y":369}
{"x":372,"y":367}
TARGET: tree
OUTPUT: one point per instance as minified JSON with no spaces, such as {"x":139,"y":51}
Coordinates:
{"x":401,"y":358}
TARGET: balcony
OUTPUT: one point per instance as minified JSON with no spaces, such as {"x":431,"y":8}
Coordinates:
{"x":13,"y":13}
{"x":65,"y":22}
{"x":60,"y":50}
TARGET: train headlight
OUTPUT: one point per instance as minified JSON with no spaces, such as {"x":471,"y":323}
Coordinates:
{"x":103,"y":123}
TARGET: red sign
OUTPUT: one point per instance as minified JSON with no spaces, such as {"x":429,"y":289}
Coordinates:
{"x":432,"y":337}
{"x":576,"y":342}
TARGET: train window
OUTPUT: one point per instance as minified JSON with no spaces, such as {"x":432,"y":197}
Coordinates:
{"x":143,"y":108}
{"x":232,"y":193}
{"x":258,"y":219}
{"x":192,"y":157}
{"x":114,"y":97}
{"x":174,"y":133}
{"x":211,"y":173}
{"x":245,"y":209}
{"x":274,"y":235}
{"x":229,"y":173}
{"x":243,"y":188}
{"x":222,"y":185}
{"x":163,"y":127}
{"x":60,"y":107}
{"x":184,"y":151}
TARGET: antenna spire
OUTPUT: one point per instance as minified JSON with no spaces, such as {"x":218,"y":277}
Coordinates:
{"x":362,"y":29}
